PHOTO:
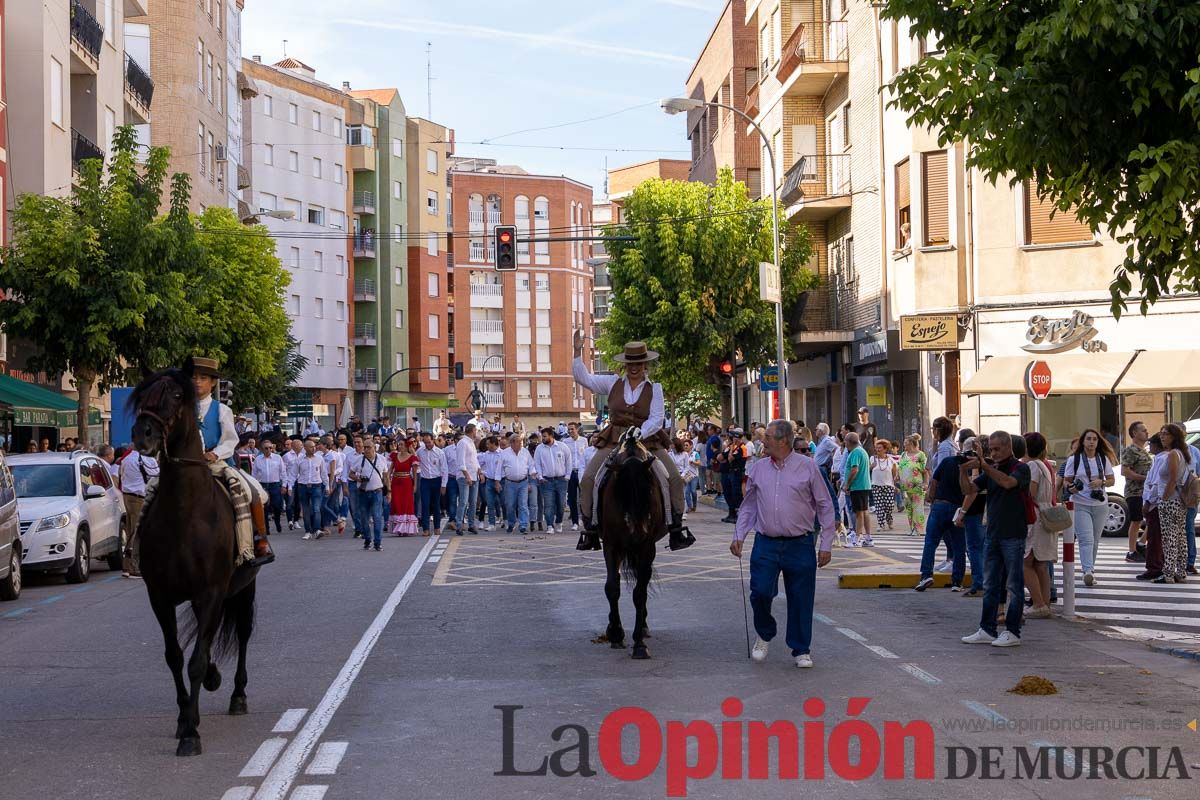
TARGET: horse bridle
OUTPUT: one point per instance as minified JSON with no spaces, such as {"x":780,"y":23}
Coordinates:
{"x":166,"y":428}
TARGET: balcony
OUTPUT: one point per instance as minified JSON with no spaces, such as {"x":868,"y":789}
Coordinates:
{"x":366,"y":380}
{"x":136,"y":8}
{"x":364,"y":335}
{"x":752,"y":100}
{"x":364,"y":290}
{"x":361,"y":140}
{"x":450,"y":342}
{"x":487,"y":295}
{"x":487,"y":331}
{"x":494,"y":400}
{"x":820,"y":321}
{"x":82,"y":149}
{"x":243,"y":177}
{"x":139,"y":91}
{"x":815,"y":55}
{"x":364,"y":202}
{"x":364,"y":244}
{"x":817,"y":187}
{"x":87,"y":36}
{"x":476,"y":251}
{"x":487,"y":365}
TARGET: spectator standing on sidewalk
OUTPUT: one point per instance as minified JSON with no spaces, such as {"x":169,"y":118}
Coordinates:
{"x":1041,"y":547}
{"x":136,"y":470}
{"x":1190,"y":508}
{"x":913,"y":479}
{"x":1135,"y":465}
{"x":1005,"y":480}
{"x":1172,"y":512}
{"x":858,"y":488}
{"x":1088,"y":473}
{"x":883,"y":484}
{"x":1152,"y":494}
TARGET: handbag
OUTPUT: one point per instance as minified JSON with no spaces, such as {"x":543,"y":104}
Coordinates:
{"x":1056,"y":518}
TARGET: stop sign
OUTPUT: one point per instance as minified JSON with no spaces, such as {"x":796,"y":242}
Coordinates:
{"x":1037,"y":380}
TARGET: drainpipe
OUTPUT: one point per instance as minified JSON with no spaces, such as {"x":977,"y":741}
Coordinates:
{"x":884,"y":299}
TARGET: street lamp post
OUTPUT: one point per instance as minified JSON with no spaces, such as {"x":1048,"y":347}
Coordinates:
{"x":679,"y":105}
{"x":484,"y":369}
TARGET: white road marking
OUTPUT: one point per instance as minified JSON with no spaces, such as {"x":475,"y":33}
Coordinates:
{"x":289,"y":720}
{"x":280,"y":779}
{"x":309,"y":792}
{"x":991,"y":715}
{"x":920,"y":674}
{"x":880,"y":651}
{"x":852,"y":635}
{"x":239,"y":793}
{"x":823,"y":618}
{"x":435,"y":559}
{"x":328,"y":756}
{"x":260,"y":763}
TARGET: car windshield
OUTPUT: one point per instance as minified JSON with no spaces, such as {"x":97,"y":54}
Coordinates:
{"x":44,"y":480}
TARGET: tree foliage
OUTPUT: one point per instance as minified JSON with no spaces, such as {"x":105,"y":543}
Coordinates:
{"x":271,"y":390}
{"x":701,"y":402}
{"x":1097,"y":100}
{"x":687,"y":284}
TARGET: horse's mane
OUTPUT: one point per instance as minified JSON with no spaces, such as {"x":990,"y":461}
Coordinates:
{"x":151,"y":390}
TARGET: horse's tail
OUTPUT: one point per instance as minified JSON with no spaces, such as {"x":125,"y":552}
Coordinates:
{"x":636,"y":490}
{"x":238,"y":609}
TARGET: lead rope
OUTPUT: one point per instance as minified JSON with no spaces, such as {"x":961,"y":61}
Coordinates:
{"x":745,"y":612}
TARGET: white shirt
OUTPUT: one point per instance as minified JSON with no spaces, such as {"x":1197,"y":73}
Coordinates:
{"x":442,"y":426}
{"x":132,"y":481}
{"x":344,"y":462}
{"x":432,"y":463}
{"x":362,"y":467}
{"x":269,"y":469}
{"x":514,"y":466}
{"x":554,"y":460}
{"x":452,"y":461}
{"x":290,"y":459}
{"x":578,"y":445}
{"x":683,"y":463}
{"x":603,"y":384}
{"x":229,"y":436}
{"x":1084,"y":498}
{"x":311,"y":470}
{"x":468,"y":458}
{"x":489,"y":462}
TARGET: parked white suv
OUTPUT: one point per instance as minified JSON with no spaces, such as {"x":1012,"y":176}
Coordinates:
{"x":70,"y":513}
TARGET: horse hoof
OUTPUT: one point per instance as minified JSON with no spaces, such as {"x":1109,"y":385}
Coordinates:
{"x":237,"y":706}
{"x":640,"y":652}
{"x":188,"y":746}
{"x":212,"y":678}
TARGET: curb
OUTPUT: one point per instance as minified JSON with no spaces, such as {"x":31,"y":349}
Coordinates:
{"x":892,"y":579}
{"x":1191,"y":653}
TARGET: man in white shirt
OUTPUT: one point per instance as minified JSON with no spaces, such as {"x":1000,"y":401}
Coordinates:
{"x":450,"y":451}
{"x":294,"y":452}
{"x":370,"y":470}
{"x":331,"y":504}
{"x":553,"y":461}
{"x":467,"y":479}
{"x":515,"y":465}
{"x":312,"y":485}
{"x":578,"y":445}
{"x":134,"y":472}
{"x":442,"y":425}
{"x":270,"y":471}
{"x":431,"y":466}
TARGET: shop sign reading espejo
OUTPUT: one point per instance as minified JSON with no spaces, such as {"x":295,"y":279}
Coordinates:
{"x":929,"y":332}
{"x":1057,"y":335}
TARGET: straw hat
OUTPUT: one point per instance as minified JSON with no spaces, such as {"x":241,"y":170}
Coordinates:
{"x":636,"y":353}
{"x":206,"y":366}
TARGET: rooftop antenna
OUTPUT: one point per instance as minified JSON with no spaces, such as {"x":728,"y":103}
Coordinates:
{"x":285,"y":48}
{"x":429,"y":80}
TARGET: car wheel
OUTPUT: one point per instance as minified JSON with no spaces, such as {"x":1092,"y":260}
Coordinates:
{"x":116,"y":561}
{"x":81,"y":567}
{"x":1117,"y":523}
{"x":10,"y":587}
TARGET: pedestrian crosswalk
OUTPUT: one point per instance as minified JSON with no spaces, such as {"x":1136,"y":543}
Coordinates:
{"x":1125,"y":605}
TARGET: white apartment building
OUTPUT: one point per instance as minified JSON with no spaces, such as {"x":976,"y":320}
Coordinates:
{"x":299,"y":168}
{"x":237,"y":177}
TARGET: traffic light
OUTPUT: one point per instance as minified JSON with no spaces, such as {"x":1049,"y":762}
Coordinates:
{"x":458,"y":370}
{"x":726,"y":368}
{"x":506,"y":248}
{"x":225,"y":389}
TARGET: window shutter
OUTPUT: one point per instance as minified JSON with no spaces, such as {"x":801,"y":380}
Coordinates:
{"x":1041,"y":229}
{"x":903,"y":191}
{"x":936,"y":199}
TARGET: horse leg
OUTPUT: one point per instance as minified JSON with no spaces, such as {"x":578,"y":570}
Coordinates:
{"x":612,"y":590}
{"x":164,"y":612}
{"x":245,"y":626}
{"x":208,"y":614}
{"x":645,"y":569}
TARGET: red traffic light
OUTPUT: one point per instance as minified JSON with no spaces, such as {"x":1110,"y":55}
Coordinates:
{"x":505,"y":237}
{"x":726,"y":368}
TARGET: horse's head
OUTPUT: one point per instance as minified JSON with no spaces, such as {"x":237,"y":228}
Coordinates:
{"x":164,"y":410}
{"x":630,"y":445}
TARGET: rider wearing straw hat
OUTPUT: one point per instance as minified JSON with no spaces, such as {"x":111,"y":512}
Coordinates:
{"x":632,"y":400}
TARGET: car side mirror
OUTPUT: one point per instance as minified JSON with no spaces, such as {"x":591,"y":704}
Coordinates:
{"x":94,"y":491}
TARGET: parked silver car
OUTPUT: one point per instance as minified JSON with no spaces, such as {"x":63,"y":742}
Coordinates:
{"x":70,"y":511}
{"x":10,"y":537}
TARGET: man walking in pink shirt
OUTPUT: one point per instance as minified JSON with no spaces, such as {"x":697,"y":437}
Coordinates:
{"x":785,"y":499}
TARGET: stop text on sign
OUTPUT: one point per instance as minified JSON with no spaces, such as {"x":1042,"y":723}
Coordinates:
{"x":1038,"y":380}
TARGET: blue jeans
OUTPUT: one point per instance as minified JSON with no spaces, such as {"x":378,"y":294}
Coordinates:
{"x":939,"y":527}
{"x":1191,"y":537}
{"x":973,"y":525}
{"x":1089,"y":528}
{"x":274,"y":504}
{"x":731,"y":486}
{"x":689,"y":493}
{"x":331,"y":506}
{"x":452,"y":498}
{"x":516,"y":505}
{"x":573,"y":496}
{"x":344,"y":508}
{"x":533,"y":500}
{"x":431,"y":504}
{"x":796,"y":558}
{"x":371,"y":510}
{"x":356,"y":515}
{"x":554,"y":500}
{"x":494,"y":499}
{"x":1002,"y":555}
{"x":310,"y":497}
{"x":468,"y":498}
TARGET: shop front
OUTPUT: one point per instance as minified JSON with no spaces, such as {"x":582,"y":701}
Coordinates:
{"x":31,"y":414}
{"x":885,"y":379}
{"x":1105,"y":373}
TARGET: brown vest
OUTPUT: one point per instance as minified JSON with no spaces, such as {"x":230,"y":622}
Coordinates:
{"x":621,"y":415}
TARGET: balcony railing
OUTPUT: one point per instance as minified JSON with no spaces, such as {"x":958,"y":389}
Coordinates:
{"x":494,"y":364}
{"x":364,"y":290}
{"x":364,"y":334}
{"x":359,"y":135}
{"x":364,"y":244}
{"x":475,"y":217}
{"x":817,"y":177}
{"x":476,"y":251}
{"x":366,"y":378}
{"x":487,"y":290}
{"x":83,"y":148}
{"x":813,"y":42}
{"x":487,"y":326}
{"x":138,"y":82}
{"x":494,"y":400}
{"x":364,"y":202}
{"x":85,"y":29}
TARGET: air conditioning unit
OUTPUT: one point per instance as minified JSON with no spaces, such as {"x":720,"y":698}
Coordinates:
{"x":221,"y":157}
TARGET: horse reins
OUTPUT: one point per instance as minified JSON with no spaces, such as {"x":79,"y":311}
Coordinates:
{"x":163,"y":450}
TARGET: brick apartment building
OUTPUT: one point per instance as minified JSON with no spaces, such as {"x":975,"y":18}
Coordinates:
{"x":513,"y":330}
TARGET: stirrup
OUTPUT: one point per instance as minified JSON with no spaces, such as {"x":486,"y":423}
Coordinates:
{"x":589,"y":539}
{"x":680,"y":539}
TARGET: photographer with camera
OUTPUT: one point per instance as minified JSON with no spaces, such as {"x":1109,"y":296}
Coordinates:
{"x":1088,"y":473}
{"x":369,"y":471}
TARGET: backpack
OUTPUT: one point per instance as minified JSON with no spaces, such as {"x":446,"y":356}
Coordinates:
{"x":1191,"y":489}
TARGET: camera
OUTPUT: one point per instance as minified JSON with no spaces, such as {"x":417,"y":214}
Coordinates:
{"x":1098,"y":495}
{"x":969,"y":454}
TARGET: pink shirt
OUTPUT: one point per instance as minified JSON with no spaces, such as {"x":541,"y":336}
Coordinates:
{"x":786,"y":500}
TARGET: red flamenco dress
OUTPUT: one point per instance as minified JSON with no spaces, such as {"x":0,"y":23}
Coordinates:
{"x":403,"y":518}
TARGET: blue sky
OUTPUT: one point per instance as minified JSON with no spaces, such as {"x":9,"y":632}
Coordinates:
{"x":558,"y":60}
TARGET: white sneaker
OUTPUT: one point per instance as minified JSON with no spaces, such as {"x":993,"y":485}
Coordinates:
{"x":945,"y":566}
{"x":867,"y":542}
{"x":804,"y":661}
{"x":852,"y":539}
{"x":306,"y":536}
{"x":979,"y":637}
{"x":1006,"y":639}
{"x":574,"y":526}
{"x":759,"y":653}
{"x":1039,"y":612}
{"x":1089,"y":579}
{"x":924,"y":584}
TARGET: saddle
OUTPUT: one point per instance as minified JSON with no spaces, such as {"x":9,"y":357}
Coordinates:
{"x":604,"y":474}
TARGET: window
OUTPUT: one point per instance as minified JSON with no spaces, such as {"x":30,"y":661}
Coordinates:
{"x":316,"y":167}
{"x":432,"y":245}
{"x":398,"y":148}
{"x":293,"y":113}
{"x":293,"y":161}
{"x":337,"y":127}
{"x":776,"y":35}
{"x":523,"y":357}
{"x":268,"y":105}
{"x":200,"y":64}
{"x":267,"y":201}
{"x":543,"y":391}
{"x":219,"y":86}
{"x":338,"y":171}
{"x":524,"y":389}
{"x":319,"y":308}
{"x":316,"y":120}
{"x":269,"y":155}
{"x":435,"y":364}
{"x":804,"y":145}
{"x":293,"y":206}
{"x":320,"y":361}
{"x":56,"y":92}
{"x":431,"y":203}
{"x":318,"y":261}
{"x":397,"y":190}
{"x":543,"y":356}
{"x":397,"y":232}
{"x":208,"y":77}
{"x":432,"y":323}
{"x":431,"y":161}
{"x":316,"y":215}
{"x":399,"y":361}
{"x":541,"y":209}
{"x":108,"y":20}
{"x":341,"y":311}
{"x":1044,"y":224}
{"x":212,"y":157}
{"x":217,"y":19}
{"x":294,"y":305}
{"x":337,"y":220}
{"x":543,"y":318}
{"x":399,"y":318}
{"x":398,"y":276}
{"x":903,"y":205}
{"x":764,"y":48}
{"x":754,"y":183}
{"x":340,"y":263}
{"x":341,"y":355}
{"x":294,"y":257}
{"x":433,"y":284}
{"x":935,"y":199}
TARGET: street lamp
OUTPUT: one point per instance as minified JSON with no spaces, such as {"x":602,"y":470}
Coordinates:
{"x":680,"y":105}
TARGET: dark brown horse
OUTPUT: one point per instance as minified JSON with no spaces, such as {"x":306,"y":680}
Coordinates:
{"x":631,"y":524}
{"x":188,"y":548}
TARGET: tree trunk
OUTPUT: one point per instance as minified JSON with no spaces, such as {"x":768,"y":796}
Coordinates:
{"x":83,"y":384}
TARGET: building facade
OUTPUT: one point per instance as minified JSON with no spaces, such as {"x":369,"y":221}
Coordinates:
{"x":516,"y":327}
{"x":298,"y":160}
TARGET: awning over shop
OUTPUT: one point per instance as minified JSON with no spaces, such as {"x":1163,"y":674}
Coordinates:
{"x":34,"y":406}
{"x":1162,"y":371}
{"x":411,"y":401}
{"x":1073,"y":373}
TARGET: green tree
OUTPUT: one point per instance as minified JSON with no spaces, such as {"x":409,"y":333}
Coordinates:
{"x":271,"y":391}
{"x":701,"y":402}
{"x":687,"y":283}
{"x":89,"y":277}
{"x":1098,"y":100}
